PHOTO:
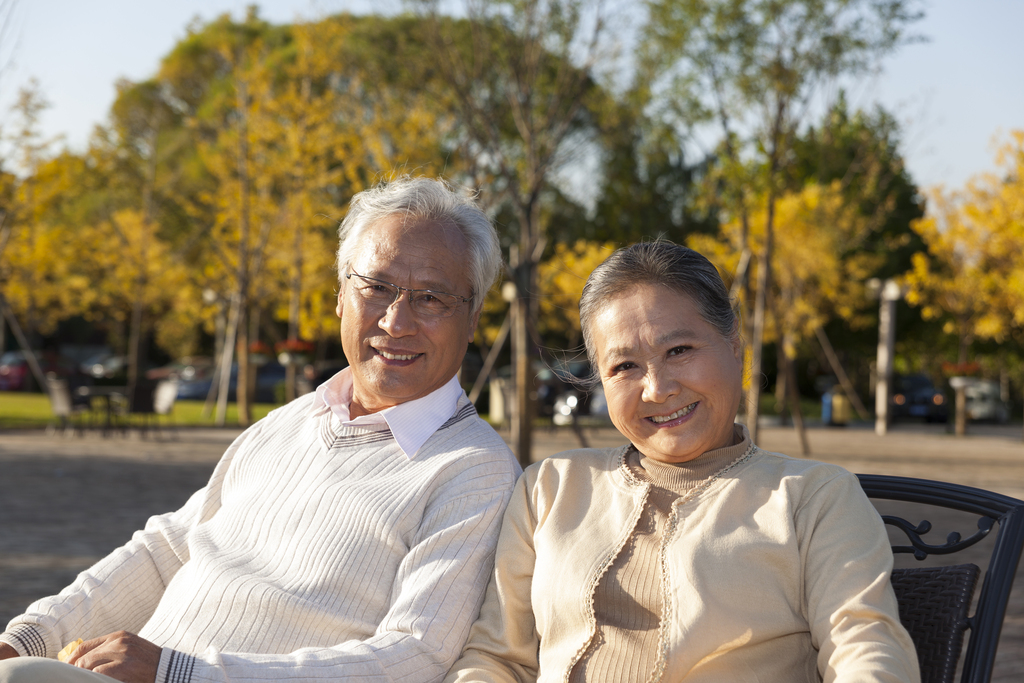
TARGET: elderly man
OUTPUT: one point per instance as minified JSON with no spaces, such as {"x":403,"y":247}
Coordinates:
{"x":348,"y":535}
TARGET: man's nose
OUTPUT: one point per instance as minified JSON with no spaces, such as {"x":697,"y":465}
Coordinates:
{"x":398,"y":319}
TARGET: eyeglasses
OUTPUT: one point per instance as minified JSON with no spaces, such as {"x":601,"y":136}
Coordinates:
{"x":426,"y":302}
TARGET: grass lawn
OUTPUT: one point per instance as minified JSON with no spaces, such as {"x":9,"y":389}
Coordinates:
{"x":20,"y":410}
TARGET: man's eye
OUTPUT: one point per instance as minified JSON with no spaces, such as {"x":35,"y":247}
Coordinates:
{"x":378,"y":289}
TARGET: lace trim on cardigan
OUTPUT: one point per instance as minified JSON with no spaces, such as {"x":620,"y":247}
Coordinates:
{"x":670,"y":529}
{"x":608,"y":560}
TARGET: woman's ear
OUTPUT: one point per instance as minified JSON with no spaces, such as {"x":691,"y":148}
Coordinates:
{"x":737,"y":341}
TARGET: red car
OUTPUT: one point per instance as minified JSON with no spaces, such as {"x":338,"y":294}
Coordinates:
{"x":14,"y":370}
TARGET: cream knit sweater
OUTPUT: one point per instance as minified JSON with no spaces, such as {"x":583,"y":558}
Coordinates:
{"x":316,"y":552}
{"x":774,"y":571}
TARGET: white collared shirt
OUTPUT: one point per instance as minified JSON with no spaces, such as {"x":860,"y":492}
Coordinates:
{"x":411,"y":423}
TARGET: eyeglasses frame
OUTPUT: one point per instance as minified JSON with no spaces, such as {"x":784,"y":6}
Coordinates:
{"x":366,"y":278}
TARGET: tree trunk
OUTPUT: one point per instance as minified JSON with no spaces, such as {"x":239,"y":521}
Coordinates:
{"x":522,"y":406}
{"x":254,"y":338}
{"x":244,"y":192}
{"x":294,"y":304}
{"x":960,"y":420}
{"x":135,"y":341}
{"x":220,"y":333}
{"x":225,"y":361}
{"x":844,"y":379}
{"x":782,"y":386}
{"x":760,"y":311}
{"x":960,"y":416}
{"x":136,"y":354}
{"x":242,"y":374}
{"x":30,"y":356}
{"x":792,"y":390}
{"x":492,"y":356}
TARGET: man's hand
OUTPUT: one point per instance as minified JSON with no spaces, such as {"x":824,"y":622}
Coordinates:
{"x":6,"y":651}
{"x":120,"y":655}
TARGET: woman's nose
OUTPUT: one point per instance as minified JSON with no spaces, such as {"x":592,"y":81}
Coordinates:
{"x":658,"y":386}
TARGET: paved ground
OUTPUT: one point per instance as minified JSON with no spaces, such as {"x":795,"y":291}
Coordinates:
{"x":64,"y":503}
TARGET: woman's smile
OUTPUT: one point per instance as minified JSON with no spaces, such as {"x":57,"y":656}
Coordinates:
{"x":682,"y":412}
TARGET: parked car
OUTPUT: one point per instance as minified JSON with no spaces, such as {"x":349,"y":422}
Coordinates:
{"x":575,"y":402}
{"x":15,"y":374}
{"x":104,"y":365}
{"x":268,"y":377}
{"x":312,"y":376}
{"x":185,"y":369}
{"x":984,"y":402}
{"x":915,"y":396}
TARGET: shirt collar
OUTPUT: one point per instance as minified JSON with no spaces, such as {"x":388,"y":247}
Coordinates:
{"x":411,"y":423}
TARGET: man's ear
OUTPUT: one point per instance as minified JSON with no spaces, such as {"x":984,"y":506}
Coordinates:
{"x":341,"y":292}
{"x":473,"y":322}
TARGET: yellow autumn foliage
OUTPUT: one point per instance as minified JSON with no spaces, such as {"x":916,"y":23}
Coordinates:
{"x":973,"y":272}
{"x":561,"y":279}
{"x":817,"y":270}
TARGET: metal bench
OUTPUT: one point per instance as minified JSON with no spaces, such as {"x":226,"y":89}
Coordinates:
{"x":935,"y":601}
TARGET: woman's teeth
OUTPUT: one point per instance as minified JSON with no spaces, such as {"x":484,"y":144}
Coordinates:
{"x":396,"y":356}
{"x":679,"y":413}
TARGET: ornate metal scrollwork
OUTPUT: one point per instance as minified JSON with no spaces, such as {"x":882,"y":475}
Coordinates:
{"x":921,"y":549}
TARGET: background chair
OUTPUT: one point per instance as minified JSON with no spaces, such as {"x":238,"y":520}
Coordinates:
{"x":934,"y":601}
{"x":66,"y":410}
{"x":164,"y":395}
{"x":140,"y":406}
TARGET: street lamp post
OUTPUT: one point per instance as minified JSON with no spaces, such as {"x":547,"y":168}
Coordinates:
{"x":889,"y":293}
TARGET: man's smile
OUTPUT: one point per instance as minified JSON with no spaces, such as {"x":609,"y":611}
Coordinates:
{"x":396,"y":356}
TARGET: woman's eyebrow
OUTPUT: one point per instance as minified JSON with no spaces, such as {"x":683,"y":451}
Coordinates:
{"x":681,"y":334}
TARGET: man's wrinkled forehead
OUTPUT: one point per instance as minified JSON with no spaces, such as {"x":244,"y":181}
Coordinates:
{"x":384,"y":238}
{"x":399,"y":237}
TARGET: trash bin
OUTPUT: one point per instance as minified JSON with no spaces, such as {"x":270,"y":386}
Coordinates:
{"x":840,"y":408}
{"x":835,"y":408}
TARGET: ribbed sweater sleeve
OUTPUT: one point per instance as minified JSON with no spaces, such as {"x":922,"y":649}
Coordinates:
{"x":321,"y":552}
{"x":121,"y":591}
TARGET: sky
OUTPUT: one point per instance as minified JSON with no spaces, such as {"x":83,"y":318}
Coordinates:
{"x":952,"y":94}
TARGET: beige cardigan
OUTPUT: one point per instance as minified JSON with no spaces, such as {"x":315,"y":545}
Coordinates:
{"x":775,"y":571}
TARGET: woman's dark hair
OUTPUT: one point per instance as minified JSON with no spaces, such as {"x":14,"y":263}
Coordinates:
{"x":657,"y":263}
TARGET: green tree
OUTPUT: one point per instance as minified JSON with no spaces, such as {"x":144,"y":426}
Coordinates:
{"x":522,"y":80}
{"x":755,"y":66}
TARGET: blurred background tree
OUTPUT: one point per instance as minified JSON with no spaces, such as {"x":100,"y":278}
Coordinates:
{"x":202,"y":217}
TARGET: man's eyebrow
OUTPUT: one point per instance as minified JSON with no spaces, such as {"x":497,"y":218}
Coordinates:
{"x":434,"y":285}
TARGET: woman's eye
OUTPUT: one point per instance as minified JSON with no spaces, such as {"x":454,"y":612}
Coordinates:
{"x":628,"y":365}
{"x":675,"y":351}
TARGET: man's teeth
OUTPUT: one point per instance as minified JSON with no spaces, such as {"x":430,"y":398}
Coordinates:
{"x":679,"y":413}
{"x":396,"y":356}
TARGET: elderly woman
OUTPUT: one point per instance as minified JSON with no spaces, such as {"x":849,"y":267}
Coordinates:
{"x":690,"y":554}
